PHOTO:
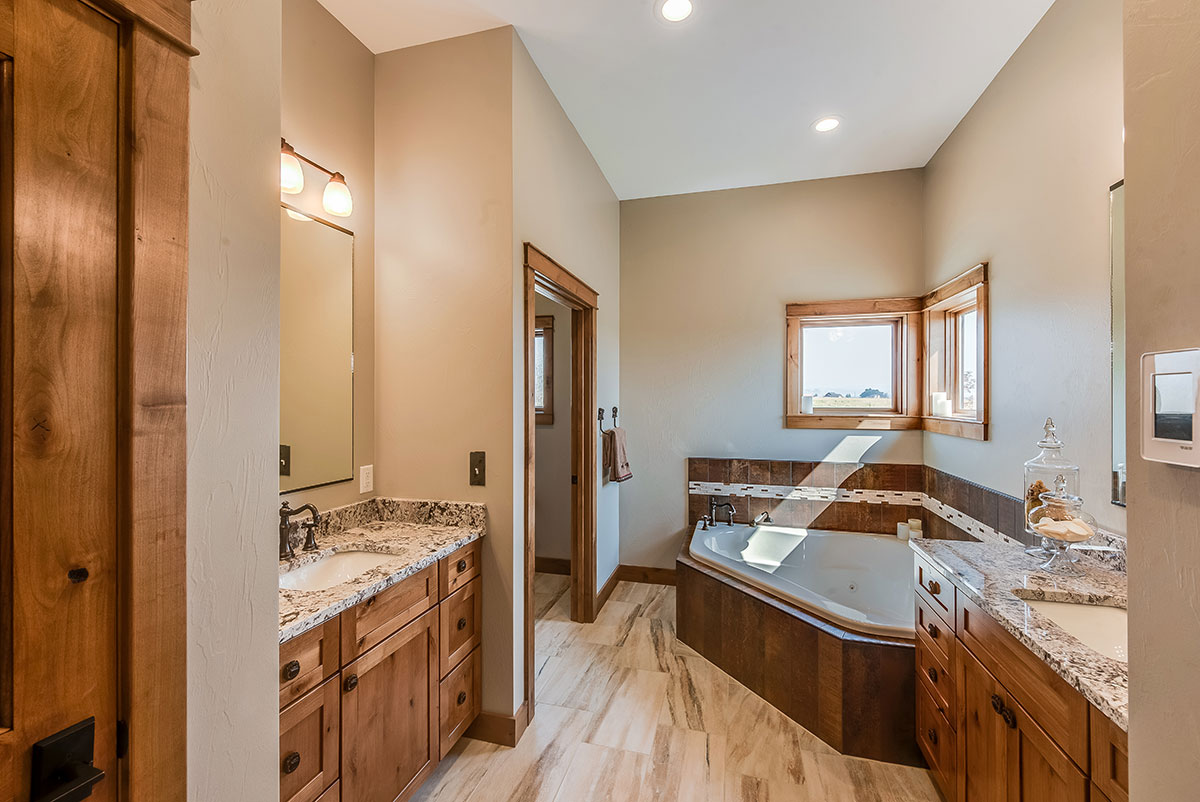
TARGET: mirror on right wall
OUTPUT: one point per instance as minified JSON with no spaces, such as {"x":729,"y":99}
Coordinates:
{"x":1116,"y":216}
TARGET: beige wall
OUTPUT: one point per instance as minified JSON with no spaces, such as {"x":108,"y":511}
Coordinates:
{"x":444,"y":305}
{"x":328,"y":114}
{"x":704,"y":281}
{"x":1162,"y":71}
{"x":563,"y":204}
{"x":552,"y":483}
{"x":233,"y":404}
{"x":1023,"y":183}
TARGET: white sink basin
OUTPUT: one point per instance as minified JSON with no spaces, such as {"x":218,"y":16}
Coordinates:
{"x":339,"y":567}
{"x":1105,"y":629}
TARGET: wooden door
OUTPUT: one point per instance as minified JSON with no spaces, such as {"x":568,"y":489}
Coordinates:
{"x":982,"y":733}
{"x":390,"y":715}
{"x":93,"y":255}
{"x":1038,"y":771}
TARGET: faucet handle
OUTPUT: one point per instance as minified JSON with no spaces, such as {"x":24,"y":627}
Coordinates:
{"x":310,"y":535}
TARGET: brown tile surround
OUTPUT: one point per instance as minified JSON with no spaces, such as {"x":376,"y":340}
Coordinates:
{"x":991,"y":508}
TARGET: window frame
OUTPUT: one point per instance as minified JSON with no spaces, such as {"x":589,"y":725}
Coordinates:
{"x":901,"y":313}
{"x":943,"y":308}
{"x":544,"y":327}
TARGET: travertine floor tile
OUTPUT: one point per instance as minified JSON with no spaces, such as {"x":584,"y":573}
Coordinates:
{"x":600,"y":774}
{"x":685,"y":765}
{"x":629,"y":719}
{"x":534,"y":770}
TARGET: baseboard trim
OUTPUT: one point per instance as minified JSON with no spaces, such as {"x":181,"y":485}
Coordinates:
{"x":646,"y":575}
{"x":552,"y":565}
{"x":607,"y":591}
{"x":499,"y":729}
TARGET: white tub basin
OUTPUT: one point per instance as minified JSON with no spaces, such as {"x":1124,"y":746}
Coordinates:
{"x":1105,"y":629}
{"x":339,"y":567}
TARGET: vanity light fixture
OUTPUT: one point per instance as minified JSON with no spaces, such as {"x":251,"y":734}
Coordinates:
{"x":676,"y":10}
{"x":826,"y":124}
{"x":336,"y":198}
{"x":298,"y":216}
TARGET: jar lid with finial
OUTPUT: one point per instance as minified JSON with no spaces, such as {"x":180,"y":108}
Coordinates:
{"x":1043,"y":471}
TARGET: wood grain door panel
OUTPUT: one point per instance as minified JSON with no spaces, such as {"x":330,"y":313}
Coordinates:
{"x":309,"y":738}
{"x":1038,"y":771}
{"x":982,"y":734}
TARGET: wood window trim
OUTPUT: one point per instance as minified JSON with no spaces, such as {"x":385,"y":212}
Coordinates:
{"x":544,"y":327}
{"x":920,"y":358}
{"x":904,"y":315}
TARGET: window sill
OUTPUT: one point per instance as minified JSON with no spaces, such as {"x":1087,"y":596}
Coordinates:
{"x":543,"y":418}
{"x":881,"y":422}
{"x":967,"y":428}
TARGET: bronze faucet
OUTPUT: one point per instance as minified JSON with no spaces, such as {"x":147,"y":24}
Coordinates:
{"x":287,"y":527}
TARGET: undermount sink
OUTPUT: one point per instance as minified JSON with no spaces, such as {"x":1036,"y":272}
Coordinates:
{"x":1105,"y":629}
{"x":339,"y":567}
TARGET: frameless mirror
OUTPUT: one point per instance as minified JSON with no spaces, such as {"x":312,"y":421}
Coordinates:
{"x":1116,"y":205}
{"x":316,"y":352}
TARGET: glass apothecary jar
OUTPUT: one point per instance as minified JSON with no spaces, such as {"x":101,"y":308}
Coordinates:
{"x":1061,"y":522}
{"x":1042,"y":471}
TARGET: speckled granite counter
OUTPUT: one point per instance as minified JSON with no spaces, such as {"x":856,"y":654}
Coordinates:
{"x":418,"y":533}
{"x":990,"y":573}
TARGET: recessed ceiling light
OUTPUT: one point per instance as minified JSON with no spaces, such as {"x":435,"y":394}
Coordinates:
{"x":826,"y":124}
{"x":676,"y":10}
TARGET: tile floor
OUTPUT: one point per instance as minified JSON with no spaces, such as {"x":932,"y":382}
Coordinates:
{"x":625,"y":713}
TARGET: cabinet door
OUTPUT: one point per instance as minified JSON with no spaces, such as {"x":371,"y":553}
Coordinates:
{"x":1038,"y":771}
{"x":982,"y":733}
{"x":390,"y":715}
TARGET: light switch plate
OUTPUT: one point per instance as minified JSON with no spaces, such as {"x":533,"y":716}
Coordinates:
{"x":478,"y":475}
{"x":366,"y":478}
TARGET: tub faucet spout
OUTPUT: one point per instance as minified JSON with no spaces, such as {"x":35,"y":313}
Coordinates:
{"x":762,"y":518}
{"x":713,"y":506}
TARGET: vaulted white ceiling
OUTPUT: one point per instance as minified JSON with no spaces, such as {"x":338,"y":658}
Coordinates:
{"x":728,"y":97}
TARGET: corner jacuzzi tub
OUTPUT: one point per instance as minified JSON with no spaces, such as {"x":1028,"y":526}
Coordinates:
{"x":819,"y":624}
{"x":858,"y":581}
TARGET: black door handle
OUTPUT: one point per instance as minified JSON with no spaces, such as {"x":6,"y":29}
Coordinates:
{"x":77,"y":780}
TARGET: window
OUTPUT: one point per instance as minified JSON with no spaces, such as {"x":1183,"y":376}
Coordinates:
{"x":543,"y":369}
{"x":850,"y":364}
{"x":892,"y":363}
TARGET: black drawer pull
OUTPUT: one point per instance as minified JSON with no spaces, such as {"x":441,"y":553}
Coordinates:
{"x":932,"y":673}
{"x":933,"y":630}
{"x":997,"y":702}
{"x":291,"y":671}
{"x":291,"y":763}
{"x":462,"y":624}
{"x":462,"y":566}
{"x":351,"y":683}
{"x":932,"y":736}
{"x":1010,"y":718}
{"x":462,"y":697}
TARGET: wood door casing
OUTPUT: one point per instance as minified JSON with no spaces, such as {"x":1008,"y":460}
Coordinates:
{"x":390,"y":715}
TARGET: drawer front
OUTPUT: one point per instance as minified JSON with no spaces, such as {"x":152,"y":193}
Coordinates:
{"x":1110,"y":757}
{"x":334,"y":794}
{"x":936,"y":632}
{"x":1058,"y":708}
{"x":937,"y":741}
{"x":459,"y":568}
{"x":308,"y":660}
{"x":373,"y":621}
{"x":309,"y":738}
{"x":461,"y":619}
{"x":935,"y":588}
{"x":937,"y":677}
{"x":459,"y":703}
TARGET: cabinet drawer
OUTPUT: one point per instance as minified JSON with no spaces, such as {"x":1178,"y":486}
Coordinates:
{"x":307,"y":660}
{"x":937,"y":677}
{"x":371,"y":622}
{"x":1110,"y":757}
{"x":1058,"y":708}
{"x":935,"y":632}
{"x":459,"y":568}
{"x":334,"y":794}
{"x":460,"y":704}
{"x":461,"y":618}
{"x":309,"y":738}
{"x":933,"y":586}
{"x":938,"y":743}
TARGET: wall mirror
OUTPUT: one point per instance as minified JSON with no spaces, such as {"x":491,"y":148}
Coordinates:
{"x":1116,"y":205}
{"x":316,"y":352}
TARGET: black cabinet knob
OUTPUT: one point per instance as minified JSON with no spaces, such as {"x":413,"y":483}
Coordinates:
{"x":933,"y":630}
{"x":351,"y":683}
{"x":1010,"y":718}
{"x":935,"y":587}
{"x":932,"y":736}
{"x":291,"y":763}
{"x":462,"y":697}
{"x":932,"y":673}
{"x":462,"y":566}
{"x":997,"y":702}
{"x":291,"y":671}
{"x":462,"y":624}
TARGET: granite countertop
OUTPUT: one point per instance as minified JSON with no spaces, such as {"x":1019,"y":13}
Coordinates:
{"x":415,"y":544}
{"x":990,"y":573}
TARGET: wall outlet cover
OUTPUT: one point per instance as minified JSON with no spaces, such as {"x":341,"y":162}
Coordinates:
{"x":366,"y":478}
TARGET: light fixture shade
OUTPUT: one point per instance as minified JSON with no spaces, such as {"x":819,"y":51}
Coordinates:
{"x":297,"y":216}
{"x":676,"y":10}
{"x":337,"y":200}
{"x":291,"y":172}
